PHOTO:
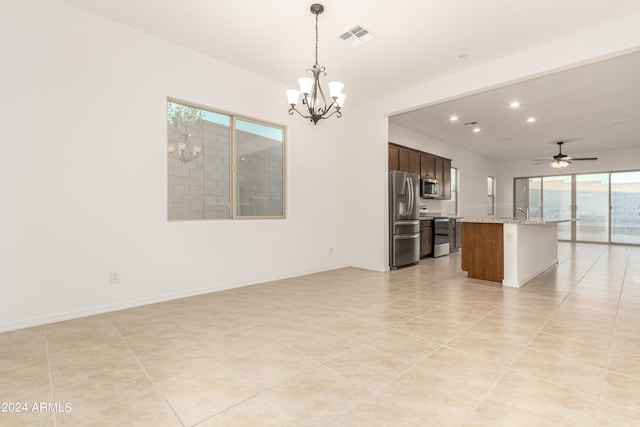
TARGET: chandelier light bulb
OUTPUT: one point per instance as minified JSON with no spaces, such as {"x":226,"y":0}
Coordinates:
{"x":315,"y":105}
{"x":293,"y":96}
{"x":306,"y":83}
{"x":335,"y":89}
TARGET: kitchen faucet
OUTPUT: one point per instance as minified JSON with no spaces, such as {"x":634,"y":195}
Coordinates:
{"x":524,"y":211}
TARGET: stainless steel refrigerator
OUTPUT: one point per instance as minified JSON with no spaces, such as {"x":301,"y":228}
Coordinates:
{"x":404,"y":218}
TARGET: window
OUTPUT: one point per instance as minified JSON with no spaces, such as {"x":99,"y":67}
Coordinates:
{"x":222,"y":166}
{"x":491,"y":193}
{"x":452,"y":204}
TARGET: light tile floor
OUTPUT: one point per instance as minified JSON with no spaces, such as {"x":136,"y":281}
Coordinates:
{"x":418,"y":346}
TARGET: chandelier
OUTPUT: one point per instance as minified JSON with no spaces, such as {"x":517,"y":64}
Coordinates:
{"x":184,"y":151}
{"x":312,"y":95}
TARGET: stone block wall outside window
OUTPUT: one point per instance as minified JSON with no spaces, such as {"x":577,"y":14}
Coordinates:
{"x":204,"y":183}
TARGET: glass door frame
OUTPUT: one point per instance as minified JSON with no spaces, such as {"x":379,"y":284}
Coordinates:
{"x":573,"y":207}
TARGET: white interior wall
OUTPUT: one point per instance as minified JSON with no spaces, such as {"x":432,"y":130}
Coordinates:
{"x":608,"y":161}
{"x":84,"y":181}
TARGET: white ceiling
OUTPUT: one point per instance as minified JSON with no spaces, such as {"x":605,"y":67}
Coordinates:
{"x":593,"y":108}
{"x":416,"y":41}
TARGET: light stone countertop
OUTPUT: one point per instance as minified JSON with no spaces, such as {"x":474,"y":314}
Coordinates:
{"x":517,"y":221}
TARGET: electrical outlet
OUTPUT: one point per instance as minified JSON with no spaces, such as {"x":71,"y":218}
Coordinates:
{"x":331,"y":250}
{"x":114,"y":278}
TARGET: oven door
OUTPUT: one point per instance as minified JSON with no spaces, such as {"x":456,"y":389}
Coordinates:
{"x":440,"y":237}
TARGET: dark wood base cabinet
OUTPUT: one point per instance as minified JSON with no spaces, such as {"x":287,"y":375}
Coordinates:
{"x":426,"y":238}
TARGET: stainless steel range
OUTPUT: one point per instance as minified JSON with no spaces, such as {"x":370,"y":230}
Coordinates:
{"x":440,"y":236}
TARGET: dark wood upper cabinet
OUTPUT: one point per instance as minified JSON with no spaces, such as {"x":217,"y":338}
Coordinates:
{"x":439,"y":175}
{"x":414,"y":162}
{"x":445,"y":184}
{"x":424,"y":164}
{"x":408,"y":160}
{"x":427,"y":165}
{"x":394,"y":165}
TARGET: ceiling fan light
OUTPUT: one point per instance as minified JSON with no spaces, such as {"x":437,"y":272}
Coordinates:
{"x":559,"y":164}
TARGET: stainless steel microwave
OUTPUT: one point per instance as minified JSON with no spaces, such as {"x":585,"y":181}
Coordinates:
{"x":429,"y":188}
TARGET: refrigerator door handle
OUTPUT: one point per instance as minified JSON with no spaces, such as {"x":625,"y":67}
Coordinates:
{"x":410,"y":191}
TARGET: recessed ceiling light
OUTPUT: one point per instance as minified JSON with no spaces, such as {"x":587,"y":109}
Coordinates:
{"x":476,"y":130}
{"x":514,"y":104}
{"x":531,"y":120}
{"x":453,"y":118}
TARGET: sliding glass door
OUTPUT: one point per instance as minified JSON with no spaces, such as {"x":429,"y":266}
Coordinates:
{"x":557,"y":202}
{"x":528,"y":196}
{"x":591,"y":207}
{"x":625,"y":207}
{"x":604,"y":207}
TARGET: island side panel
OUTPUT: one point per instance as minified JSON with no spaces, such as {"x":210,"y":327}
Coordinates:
{"x":483,"y":251}
{"x":529,"y":251}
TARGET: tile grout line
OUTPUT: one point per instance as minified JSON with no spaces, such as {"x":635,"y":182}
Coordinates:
{"x":606,"y":371}
{"x":524,"y":348}
{"x":153,"y":383}
{"x":46,"y":343}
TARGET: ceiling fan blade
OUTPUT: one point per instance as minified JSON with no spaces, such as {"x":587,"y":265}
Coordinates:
{"x":540,"y":162}
{"x":585,"y":158}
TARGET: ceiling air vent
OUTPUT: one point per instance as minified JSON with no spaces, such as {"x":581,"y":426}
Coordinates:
{"x":356,"y":36}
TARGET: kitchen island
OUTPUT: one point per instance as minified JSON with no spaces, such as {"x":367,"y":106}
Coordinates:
{"x":508,"y":251}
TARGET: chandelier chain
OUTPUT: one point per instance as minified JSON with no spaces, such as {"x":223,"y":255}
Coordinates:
{"x":316,"y":38}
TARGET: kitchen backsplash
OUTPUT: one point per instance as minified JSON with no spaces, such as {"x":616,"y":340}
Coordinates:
{"x":434,"y":205}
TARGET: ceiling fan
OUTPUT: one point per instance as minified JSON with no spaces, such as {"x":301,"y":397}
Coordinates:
{"x":561,"y":160}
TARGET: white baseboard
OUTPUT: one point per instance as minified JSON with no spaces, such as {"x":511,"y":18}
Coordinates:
{"x":109,"y":308}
